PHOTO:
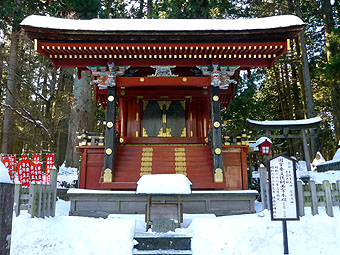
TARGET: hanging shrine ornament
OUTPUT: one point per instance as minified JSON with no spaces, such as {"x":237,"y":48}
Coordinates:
{"x":105,"y":76}
{"x":220,"y":75}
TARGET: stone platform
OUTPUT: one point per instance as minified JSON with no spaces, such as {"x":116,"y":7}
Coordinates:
{"x":98,"y":203}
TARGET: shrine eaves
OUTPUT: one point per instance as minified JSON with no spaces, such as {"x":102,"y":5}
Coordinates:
{"x":184,"y":43}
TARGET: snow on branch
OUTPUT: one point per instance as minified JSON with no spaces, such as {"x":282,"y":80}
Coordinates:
{"x":37,"y":123}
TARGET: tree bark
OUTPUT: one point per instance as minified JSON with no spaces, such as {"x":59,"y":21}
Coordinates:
{"x":327,"y":15}
{"x":331,"y":50}
{"x":307,"y":82}
{"x":141,"y":7}
{"x":8,"y":124}
{"x":149,"y":9}
{"x":63,"y":104}
{"x":82,"y":116}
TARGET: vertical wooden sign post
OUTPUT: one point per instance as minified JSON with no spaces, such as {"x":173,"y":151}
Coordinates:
{"x":283,"y":193}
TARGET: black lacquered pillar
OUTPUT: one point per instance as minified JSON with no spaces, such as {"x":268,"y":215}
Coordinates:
{"x":216,"y":133}
{"x":110,"y":134}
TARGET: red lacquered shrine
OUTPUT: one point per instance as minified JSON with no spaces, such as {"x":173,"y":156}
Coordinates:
{"x":169,"y":80}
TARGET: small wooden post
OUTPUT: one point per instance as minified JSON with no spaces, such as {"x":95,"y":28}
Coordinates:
{"x":315,"y":209}
{"x":148,"y":204}
{"x":6,"y":215}
{"x":328,"y":196}
{"x":31,"y":201}
{"x":53,"y":183}
{"x":179,"y":210}
{"x":300,"y":198}
{"x":263,"y":186}
{"x":17,"y":201}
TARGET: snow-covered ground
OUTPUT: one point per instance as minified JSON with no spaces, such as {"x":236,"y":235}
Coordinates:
{"x":243,"y":234}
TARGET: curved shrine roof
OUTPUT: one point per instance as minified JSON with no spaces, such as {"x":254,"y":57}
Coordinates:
{"x":276,"y":27}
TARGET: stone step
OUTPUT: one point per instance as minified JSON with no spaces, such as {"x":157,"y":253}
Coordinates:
{"x":163,"y":252}
{"x":163,"y":243}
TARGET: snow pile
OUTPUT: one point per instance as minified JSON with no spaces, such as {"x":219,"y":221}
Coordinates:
{"x":257,"y":234}
{"x":331,"y":176}
{"x":164,"y":184}
{"x":67,"y":177}
{"x":71,"y":235}
{"x":250,"y":234}
{"x":4,"y":176}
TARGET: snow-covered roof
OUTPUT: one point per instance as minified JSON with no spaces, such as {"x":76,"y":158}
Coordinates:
{"x":336,"y":159}
{"x":286,"y":122}
{"x":164,"y":184}
{"x":4,"y":176}
{"x":262,"y":140}
{"x":162,"y":24}
{"x":280,"y":124}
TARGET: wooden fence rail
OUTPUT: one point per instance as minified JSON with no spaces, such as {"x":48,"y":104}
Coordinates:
{"x":309,"y":195}
{"x":38,"y":199}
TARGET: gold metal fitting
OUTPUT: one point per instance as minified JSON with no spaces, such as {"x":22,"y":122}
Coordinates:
{"x":185,"y":79}
{"x":121,"y":140}
{"x":215,"y":98}
{"x":141,"y":80}
{"x":217,"y":124}
{"x":108,"y":151}
{"x":109,"y":124}
{"x":111,"y":98}
{"x":218,"y":151}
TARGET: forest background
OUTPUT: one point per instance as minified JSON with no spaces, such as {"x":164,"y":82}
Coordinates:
{"x":41,"y":109}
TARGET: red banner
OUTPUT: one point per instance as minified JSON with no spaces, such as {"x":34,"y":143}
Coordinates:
{"x":24,"y":156}
{"x":33,"y":176}
{"x":7,"y":163}
{"x":36,"y":158}
{"x":12,"y":166}
{"x":24,"y":172}
{"x":49,"y":165}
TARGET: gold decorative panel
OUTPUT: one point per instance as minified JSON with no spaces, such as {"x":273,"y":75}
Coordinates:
{"x":218,"y":175}
{"x":180,"y":161}
{"x":107,"y":175}
{"x":180,"y":149}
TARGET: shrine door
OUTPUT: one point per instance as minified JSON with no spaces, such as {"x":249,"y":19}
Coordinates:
{"x":164,"y":119}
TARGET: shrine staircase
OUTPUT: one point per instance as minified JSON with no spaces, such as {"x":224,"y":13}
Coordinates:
{"x":194,"y":161}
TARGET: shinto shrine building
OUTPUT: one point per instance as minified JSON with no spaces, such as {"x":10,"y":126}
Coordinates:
{"x":163,"y":83}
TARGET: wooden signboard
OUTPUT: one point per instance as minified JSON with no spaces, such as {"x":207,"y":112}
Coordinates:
{"x":283,"y":193}
{"x":283,"y":188}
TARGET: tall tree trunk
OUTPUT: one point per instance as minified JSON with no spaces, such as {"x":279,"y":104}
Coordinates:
{"x":65,"y":85}
{"x":8,"y":124}
{"x":141,"y":7}
{"x":1,"y":66}
{"x":328,"y":20}
{"x":149,"y":9}
{"x":331,"y":50}
{"x":307,"y":82}
{"x":82,"y":116}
